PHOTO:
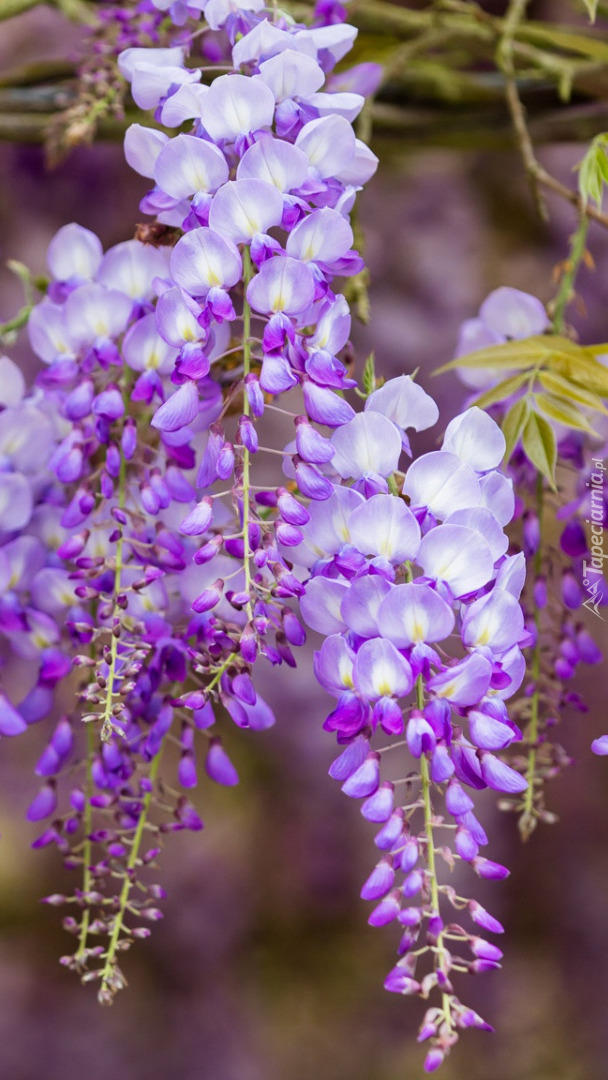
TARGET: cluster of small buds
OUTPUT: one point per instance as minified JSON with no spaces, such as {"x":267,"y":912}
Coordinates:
{"x":567,"y":573}
{"x":408,"y":577}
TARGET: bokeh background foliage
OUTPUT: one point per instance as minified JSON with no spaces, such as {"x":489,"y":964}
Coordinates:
{"x":264,"y":967}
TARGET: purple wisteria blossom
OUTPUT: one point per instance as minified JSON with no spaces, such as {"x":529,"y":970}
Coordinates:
{"x":566,"y":579}
{"x":423,"y":635}
{"x":134,"y":550}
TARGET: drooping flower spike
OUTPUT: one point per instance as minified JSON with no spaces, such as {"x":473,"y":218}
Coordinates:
{"x":141,"y":555}
{"x":568,"y":579}
{"x":419,"y":603}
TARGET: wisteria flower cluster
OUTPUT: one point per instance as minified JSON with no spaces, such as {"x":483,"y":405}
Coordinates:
{"x":166,"y":579}
{"x":419,"y":604}
{"x":156,"y":545}
{"x":567,"y":564}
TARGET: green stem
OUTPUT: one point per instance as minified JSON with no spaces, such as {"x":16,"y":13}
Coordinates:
{"x":505,"y":63}
{"x":17,"y":322}
{"x":440,"y":961}
{"x":573,"y":263}
{"x":108,"y":975}
{"x":247,"y":272}
{"x":220,"y":671}
{"x":10,"y":8}
{"x":527,"y":821}
{"x":107,"y":726}
{"x":87,"y":856}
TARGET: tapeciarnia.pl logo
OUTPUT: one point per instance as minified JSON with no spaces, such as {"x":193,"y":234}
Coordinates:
{"x":593,"y":571}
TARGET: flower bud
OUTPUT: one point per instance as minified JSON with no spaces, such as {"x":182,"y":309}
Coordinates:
{"x":209,"y":598}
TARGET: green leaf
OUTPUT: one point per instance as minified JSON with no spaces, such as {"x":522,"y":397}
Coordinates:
{"x":595,"y":351}
{"x":562,"y":37}
{"x":20,"y":270}
{"x":585,"y":370}
{"x":557,"y":384}
{"x":537,"y":351}
{"x":563,"y":412}
{"x":593,"y":170}
{"x":8,"y":330}
{"x":539,"y":446}
{"x":514,"y":354}
{"x":514,"y":423}
{"x":501,"y":391}
{"x":369,"y":375}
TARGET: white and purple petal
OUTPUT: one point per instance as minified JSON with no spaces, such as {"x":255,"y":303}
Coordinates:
{"x":243,"y":208}
{"x":475,"y":438}
{"x":74,"y":252}
{"x":202,"y":260}
{"x":94,"y":312}
{"x":412,"y":614}
{"x":381,"y":671}
{"x":368,"y":443}
{"x":385,"y":526}
{"x":405,"y":403}
{"x":339,"y":104}
{"x":177,"y":317}
{"x":12,"y":382}
{"x":333,"y":665}
{"x":441,"y":482}
{"x":236,"y":105}
{"x":512,"y":313}
{"x":332,"y":329}
{"x":132,"y":267}
{"x":458,"y":556}
{"x":16,"y":501}
{"x":282,"y":285}
{"x":142,"y":145}
{"x":143,"y":349}
{"x":497,"y":495}
{"x":291,"y":74}
{"x":495,"y":621}
{"x":362,"y":602}
{"x":512,"y":574}
{"x":322,"y":236}
{"x":329,"y":144}
{"x":48,"y":333}
{"x":465,"y":683}
{"x":274,"y":161}
{"x":321,"y":605}
{"x":187,"y":165}
{"x":360,"y":168}
{"x":482,"y":521}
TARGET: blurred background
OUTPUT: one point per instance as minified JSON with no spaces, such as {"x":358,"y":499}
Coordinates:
{"x":264,"y":967}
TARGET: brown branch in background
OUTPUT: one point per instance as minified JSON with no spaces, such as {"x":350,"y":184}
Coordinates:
{"x":505,"y":63}
{"x":537,"y":175}
{"x":549,"y":181}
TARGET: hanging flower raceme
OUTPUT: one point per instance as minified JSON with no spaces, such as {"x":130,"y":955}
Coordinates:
{"x":167,"y":577}
{"x":543,"y":408}
{"x":261,"y":186}
{"x":104,"y":542}
{"x":411,"y":585}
